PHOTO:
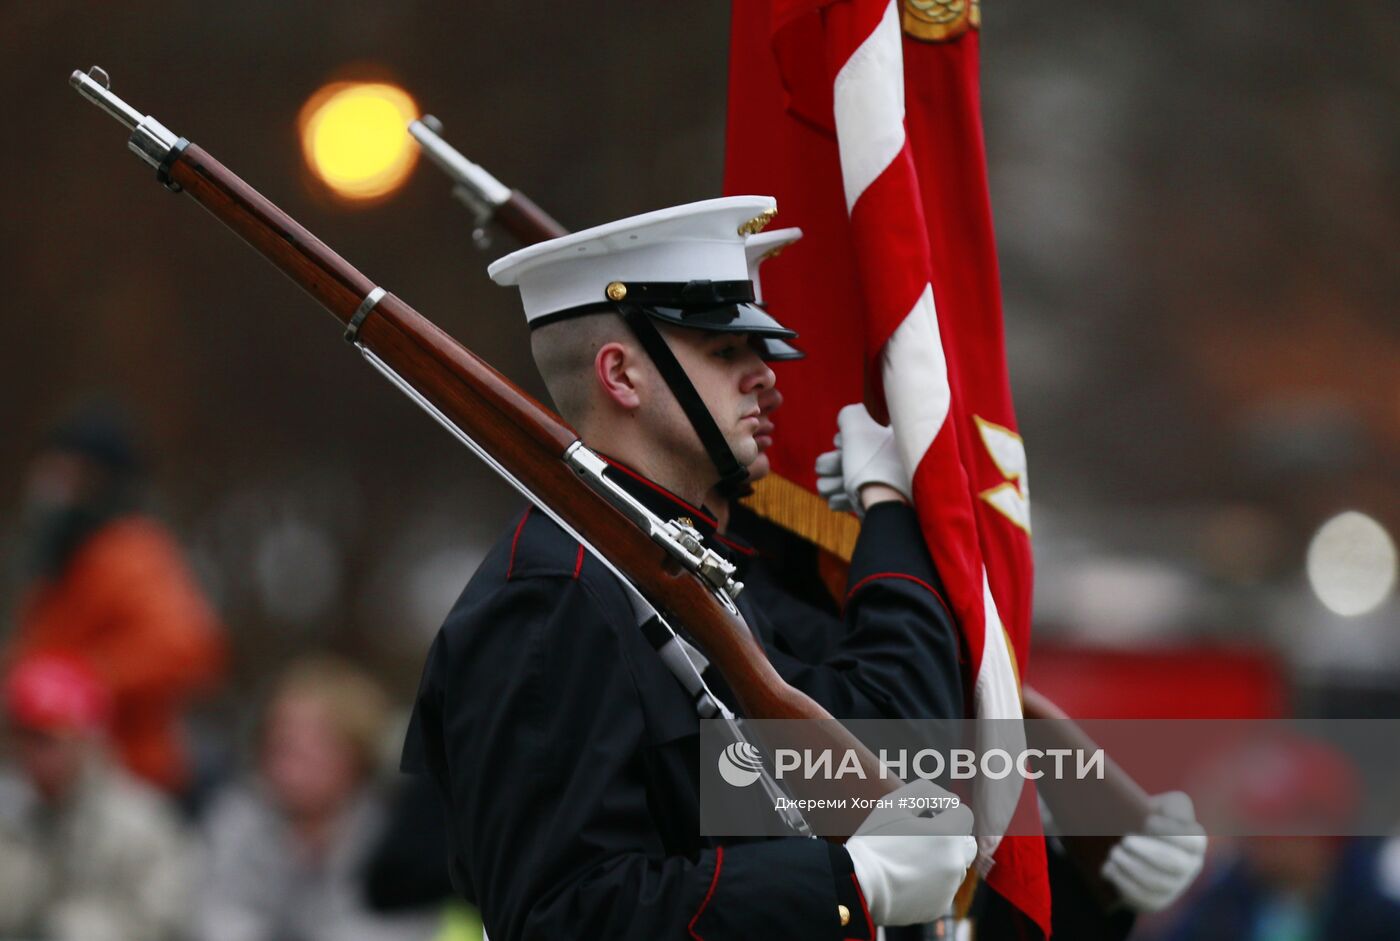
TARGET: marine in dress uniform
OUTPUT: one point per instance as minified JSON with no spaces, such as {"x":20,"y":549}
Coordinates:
{"x":567,"y":752}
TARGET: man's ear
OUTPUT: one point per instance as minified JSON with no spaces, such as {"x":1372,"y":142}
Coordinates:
{"x":616,"y":368}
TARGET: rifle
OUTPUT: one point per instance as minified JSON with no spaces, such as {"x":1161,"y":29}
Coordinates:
{"x":663,"y":564}
{"x":1121,"y":799}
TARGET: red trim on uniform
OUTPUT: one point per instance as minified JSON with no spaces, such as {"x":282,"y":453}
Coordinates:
{"x":719,"y":861}
{"x":578,"y":564}
{"x":516,"y":539}
{"x":865,"y":909}
{"x":908,"y":578}
{"x":661,"y":490}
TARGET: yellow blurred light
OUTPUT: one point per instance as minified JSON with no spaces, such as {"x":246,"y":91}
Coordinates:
{"x":355,"y":137}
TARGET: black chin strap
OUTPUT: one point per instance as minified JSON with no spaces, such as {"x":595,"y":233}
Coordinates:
{"x":732,"y":475}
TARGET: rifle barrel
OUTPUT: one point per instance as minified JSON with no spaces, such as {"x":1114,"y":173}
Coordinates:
{"x":93,"y":85}
{"x":485,"y":187}
{"x":150,"y":140}
{"x":487,"y":197}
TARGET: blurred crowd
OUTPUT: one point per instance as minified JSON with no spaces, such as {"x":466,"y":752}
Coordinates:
{"x":112,"y":826}
{"x":109,"y":826}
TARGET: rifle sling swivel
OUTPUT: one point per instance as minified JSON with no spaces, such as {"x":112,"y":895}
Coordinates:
{"x":352,"y":329}
{"x":168,"y":161}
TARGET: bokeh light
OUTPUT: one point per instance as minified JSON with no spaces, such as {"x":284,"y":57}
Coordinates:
{"x":1352,"y":563}
{"x":355,"y":138}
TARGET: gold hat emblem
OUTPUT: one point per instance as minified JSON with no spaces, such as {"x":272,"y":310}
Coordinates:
{"x":756,"y":224}
{"x":939,"y":20}
{"x":616,"y":291}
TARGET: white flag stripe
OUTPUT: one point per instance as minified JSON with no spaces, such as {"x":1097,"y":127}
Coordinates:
{"x":997,"y":698}
{"x":996,"y":681}
{"x":868,"y":99}
{"x":915,"y":374}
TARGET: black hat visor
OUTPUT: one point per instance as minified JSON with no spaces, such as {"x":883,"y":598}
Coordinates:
{"x":723,"y":318}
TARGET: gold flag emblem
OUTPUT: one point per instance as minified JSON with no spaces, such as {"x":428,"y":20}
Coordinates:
{"x":939,"y":20}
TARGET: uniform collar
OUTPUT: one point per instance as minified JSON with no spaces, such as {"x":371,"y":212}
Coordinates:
{"x":669,"y":506}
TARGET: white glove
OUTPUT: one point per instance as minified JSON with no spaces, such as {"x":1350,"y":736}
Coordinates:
{"x":1152,"y":869}
{"x":865,"y":454}
{"x":909,"y":867}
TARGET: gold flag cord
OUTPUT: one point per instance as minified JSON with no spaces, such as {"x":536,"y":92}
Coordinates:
{"x":797,"y":509}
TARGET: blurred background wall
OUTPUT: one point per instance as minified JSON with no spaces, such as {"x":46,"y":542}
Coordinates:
{"x":1198,"y":224}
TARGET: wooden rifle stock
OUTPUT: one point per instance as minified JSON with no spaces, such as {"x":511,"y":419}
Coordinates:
{"x":519,"y":216}
{"x":1117,"y":798}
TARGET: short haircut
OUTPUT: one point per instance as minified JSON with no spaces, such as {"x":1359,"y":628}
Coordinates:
{"x":564,"y":353}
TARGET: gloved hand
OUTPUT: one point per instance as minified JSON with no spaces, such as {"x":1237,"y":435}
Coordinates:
{"x":865,"y":454}
{"x":1152,"y":869}
{"x":909,"y":867}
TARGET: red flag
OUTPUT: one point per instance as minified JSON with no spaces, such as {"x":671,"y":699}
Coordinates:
{"x":863,"y":118}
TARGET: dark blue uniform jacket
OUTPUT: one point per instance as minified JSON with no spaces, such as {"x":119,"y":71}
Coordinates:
{"x":567,"y":754}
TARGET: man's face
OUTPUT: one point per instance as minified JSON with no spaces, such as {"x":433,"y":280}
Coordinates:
{"x":307,"y":764}
{"x":730,"y":377}
{"x":51,"y":760}
{"x":769,"y":400}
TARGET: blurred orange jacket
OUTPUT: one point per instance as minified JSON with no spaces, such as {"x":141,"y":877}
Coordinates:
{"x":128,"y":604}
